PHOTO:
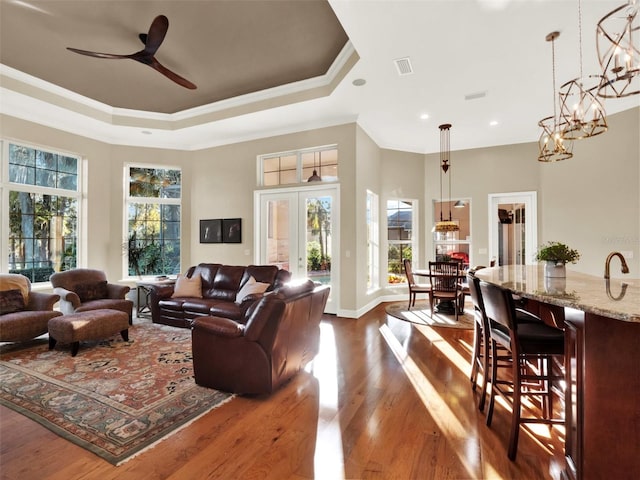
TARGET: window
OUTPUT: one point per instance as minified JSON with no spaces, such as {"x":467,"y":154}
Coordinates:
{"x":454,"y":245}
{"x":302,"y":166}
{"x":41,"y":204}
{"x":373,"y":248}
{"x":400,"y":227}
{"x":153,"y":206}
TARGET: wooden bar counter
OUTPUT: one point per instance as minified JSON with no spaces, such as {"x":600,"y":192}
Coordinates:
{"x":601,"y":320}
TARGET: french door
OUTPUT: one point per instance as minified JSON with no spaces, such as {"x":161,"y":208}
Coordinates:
{"x":513,"y":227}
{"x":298,"y":231}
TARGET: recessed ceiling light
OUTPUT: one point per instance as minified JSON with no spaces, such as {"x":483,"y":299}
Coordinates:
{"x":358,"y":82}
{"x":146,"y":132}
{"x":493,"y":123}
{"x":424,"y":116}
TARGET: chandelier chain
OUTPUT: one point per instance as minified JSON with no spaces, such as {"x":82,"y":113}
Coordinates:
{"x":580,"y":35}
{"x":553,"y":73}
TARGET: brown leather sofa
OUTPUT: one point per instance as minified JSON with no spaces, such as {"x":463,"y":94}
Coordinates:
{"x":220,"y":286}
{"x":276,"y":337}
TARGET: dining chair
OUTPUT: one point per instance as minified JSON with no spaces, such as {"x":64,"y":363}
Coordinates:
{"x":445,"y":285}
{"x":415,"y":288}
{"x":532,"y":347}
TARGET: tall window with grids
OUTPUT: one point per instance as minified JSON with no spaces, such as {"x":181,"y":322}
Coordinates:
{"x":400,"y":237}
{"x":373,"y":243}
{"x":153,"y":210}
{"x":41,"y":200}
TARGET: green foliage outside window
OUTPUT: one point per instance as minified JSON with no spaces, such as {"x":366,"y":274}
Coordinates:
{"x":43,"y":228}
{"x":153,"y":211}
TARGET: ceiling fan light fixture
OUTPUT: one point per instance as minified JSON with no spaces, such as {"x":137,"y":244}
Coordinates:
{"x":146,"y":56}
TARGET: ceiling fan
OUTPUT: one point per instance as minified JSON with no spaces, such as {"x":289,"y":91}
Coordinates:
{"x":152,"y":42}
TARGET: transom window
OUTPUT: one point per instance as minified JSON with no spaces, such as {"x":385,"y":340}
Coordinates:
{"x":153,"y":212}
{"x":301,"y":166}
{"x":41,"y":203}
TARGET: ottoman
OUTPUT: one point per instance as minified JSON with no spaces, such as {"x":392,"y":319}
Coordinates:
{"x":91,"y":325}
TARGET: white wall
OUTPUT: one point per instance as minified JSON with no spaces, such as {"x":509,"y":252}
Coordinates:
{"x":592,"y":201}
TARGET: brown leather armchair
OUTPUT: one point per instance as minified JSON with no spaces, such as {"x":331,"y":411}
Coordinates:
{"x":23,"y":314}
{"x":277,"y":337}
{"x":84,"y":289}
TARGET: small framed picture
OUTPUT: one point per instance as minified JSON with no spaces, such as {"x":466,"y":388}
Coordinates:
{"x":211,"y":231}
{"x":232,"y":230}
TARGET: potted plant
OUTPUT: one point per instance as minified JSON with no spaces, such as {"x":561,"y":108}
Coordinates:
{"x":556,"y":255}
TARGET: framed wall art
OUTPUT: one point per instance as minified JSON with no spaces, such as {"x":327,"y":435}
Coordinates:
{"x":211,"y":231}
{"x":232,"y":230}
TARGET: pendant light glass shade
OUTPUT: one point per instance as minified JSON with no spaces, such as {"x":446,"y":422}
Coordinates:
{"x":618,"y":45}
{"x":581,"y":114}
{"x":552,"y":145}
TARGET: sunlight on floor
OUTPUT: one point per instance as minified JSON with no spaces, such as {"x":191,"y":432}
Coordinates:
{"x":329,"y":456}
{"x":447,"y":350}
{"x":424,"y":316}
{"x":447,"y":422}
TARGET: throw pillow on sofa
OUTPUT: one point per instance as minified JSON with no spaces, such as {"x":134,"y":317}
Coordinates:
{"x":188,"y":287}
{"x":91,"y":291}
{"x":11,"y":301}
{"x":251,"y":287}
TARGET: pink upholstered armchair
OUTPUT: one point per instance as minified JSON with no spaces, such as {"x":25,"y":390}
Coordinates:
{"x":84,"y":289}
{"x":23,"y":314}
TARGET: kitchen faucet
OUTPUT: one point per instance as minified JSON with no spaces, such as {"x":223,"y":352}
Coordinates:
{"x":607,"y":263}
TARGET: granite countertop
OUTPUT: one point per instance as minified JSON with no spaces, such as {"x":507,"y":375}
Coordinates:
{"x":617,"y":298}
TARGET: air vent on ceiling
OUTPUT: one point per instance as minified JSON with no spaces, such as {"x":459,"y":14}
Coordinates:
{"x":473,"y":96}
{"x":403,"y":65}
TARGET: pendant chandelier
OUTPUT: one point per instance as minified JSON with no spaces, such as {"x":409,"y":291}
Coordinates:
{"x":618,"y":45}
{"x":552,"y":145}
{"x":581,"y":114}
{"x":445,"y":162}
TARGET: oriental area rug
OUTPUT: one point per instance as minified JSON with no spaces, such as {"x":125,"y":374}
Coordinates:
{"x":116,"y":398}
{"x":420,"y":314}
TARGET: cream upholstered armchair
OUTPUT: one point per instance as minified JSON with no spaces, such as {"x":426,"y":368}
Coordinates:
{"x":23,"y":314}
{"x":84,"y":289}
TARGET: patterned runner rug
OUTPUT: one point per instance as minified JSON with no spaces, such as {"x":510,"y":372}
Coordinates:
{"x":421,"y":314}
{"x":115,"y":398}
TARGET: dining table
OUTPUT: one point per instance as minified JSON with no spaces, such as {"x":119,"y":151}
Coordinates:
{"x":601,"y":322}
{"x":446,"y":307}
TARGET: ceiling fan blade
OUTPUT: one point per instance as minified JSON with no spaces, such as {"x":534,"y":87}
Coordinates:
{"x":97,"y":54}
{"x":157,"y":32}
{"x":172,"y":75}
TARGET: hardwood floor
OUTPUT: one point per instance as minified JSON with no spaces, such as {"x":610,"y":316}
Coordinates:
{"x":383,"y":400}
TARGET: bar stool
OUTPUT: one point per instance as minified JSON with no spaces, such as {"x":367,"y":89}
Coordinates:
{"x":481,"y":356}
{"x":532,"y":346}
